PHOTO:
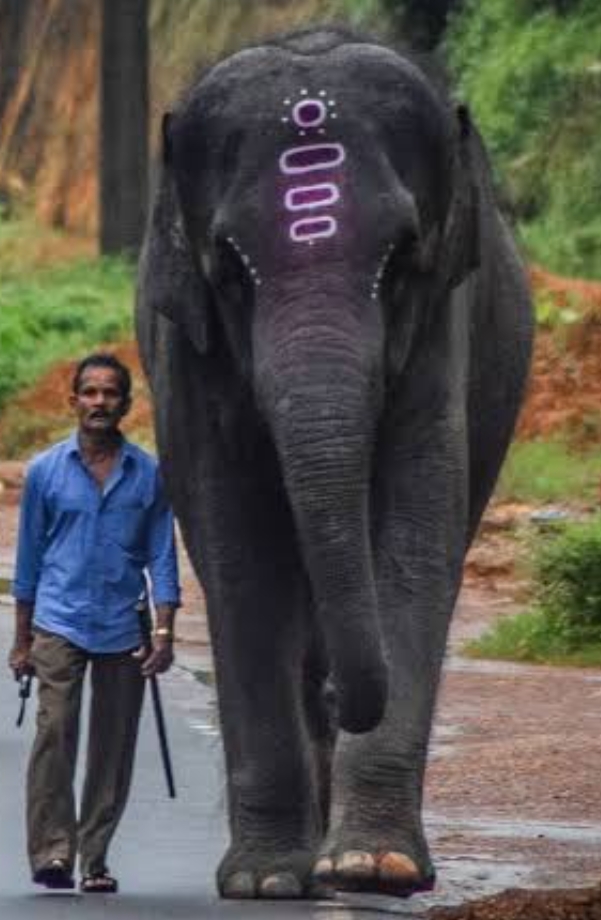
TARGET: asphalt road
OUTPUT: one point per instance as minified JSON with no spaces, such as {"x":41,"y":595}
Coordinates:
{"x":166,"y":851}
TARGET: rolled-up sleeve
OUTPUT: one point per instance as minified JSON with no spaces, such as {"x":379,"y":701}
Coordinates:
{"x":162,"y":555}
{"x":32,"y":538}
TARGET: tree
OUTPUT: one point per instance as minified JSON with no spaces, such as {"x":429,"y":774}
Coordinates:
{"x":123,"y":125}
{"x":420,"y":22}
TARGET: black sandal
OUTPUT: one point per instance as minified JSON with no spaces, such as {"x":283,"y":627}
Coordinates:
{"x":98,"y":883}
{"x":55,"y":874}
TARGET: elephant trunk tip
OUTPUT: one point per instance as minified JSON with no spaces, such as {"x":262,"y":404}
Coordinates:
{"x":362,"y":700}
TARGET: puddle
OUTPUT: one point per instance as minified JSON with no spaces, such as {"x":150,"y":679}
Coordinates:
{"x":202,"y":709}
{"x":587,"y":834}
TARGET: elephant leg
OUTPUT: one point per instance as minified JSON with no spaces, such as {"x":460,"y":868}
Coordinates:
{"x":376,"y":840}
{"x":322,"y":723}
{"x":259,"y":631}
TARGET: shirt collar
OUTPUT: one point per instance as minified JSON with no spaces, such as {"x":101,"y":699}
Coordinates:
{"x":127,"y":449}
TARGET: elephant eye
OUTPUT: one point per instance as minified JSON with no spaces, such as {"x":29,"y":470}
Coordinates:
{"x":228,"y":273}
{"x":404,"y":261}
{"x":407,"y":250}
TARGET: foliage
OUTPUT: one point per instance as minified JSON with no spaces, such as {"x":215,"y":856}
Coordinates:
{"x":52,"y":312}
{"x":421,"y":22}
{"x":565,"y":622}
{"x":552,"y":315}
{"x":568,"y":577}
{"x":533,"y":78}
{"x":548,"y":471}
{"x":535,"y":637}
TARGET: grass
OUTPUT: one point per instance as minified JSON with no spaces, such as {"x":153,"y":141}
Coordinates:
{"x":563,"y":626}
{"x":51,"y":311}
{"x":543,"y":472}
{"x":531,"y":637}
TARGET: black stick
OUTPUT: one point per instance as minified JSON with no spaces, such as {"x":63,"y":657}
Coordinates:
{"x":162,"y":733}
{"x":157,"y":705}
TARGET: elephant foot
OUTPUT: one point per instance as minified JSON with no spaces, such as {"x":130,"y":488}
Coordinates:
{"x":251,"y":876}
{"x":388,"y":873}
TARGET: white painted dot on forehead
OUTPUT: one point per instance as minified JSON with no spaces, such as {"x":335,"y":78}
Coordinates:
{"x":304,"y":92}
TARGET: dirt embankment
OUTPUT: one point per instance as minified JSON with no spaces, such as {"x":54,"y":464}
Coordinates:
{"x":564,"y":394}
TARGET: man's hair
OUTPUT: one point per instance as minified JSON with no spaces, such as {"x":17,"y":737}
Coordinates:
{"x":104,"y":359}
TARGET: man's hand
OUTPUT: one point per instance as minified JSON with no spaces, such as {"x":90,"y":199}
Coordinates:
{"x":19,"y":658}
{"x":157,"y":659}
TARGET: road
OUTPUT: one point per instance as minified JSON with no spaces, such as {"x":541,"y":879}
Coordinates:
{"x":166,"y":851}
{"x":512,"y":792}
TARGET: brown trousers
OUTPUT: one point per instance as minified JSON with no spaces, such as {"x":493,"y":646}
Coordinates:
{"x":117,"y":693}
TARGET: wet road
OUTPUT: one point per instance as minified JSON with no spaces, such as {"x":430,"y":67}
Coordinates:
{"x":504,"y":807}
{"x":166,"y":851}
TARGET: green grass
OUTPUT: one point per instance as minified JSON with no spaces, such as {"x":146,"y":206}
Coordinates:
{"x":533,"y":637}
{"x":48,"y":313}
{"x":563,"y":625}
{"x":548,"y":471}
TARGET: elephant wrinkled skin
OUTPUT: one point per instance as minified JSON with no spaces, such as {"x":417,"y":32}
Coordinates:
{"x":336,"y":329}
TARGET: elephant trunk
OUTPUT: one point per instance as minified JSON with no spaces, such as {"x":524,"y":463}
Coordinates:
{"x":319,"y":401}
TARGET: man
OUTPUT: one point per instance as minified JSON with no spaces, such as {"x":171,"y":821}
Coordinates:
{"x":95,"y":527}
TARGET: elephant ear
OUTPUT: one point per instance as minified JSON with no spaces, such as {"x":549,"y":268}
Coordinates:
{"x":460,"y":251}
{"x":173,"y":283}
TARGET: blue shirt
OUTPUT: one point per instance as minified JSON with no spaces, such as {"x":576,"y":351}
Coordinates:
{"x":83,"y":549}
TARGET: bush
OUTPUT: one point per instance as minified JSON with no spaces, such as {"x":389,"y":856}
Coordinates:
{"x":563,"y":625}
{"x":532,"y":76}
{"x":568,"y":579}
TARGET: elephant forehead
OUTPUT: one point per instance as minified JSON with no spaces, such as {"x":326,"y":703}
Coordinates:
{"x":309,"y":204}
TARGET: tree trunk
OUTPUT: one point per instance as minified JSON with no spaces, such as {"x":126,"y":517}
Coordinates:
{"x":123,"y":125}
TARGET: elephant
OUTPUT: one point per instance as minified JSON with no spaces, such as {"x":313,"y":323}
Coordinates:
{"x":336,"y":328}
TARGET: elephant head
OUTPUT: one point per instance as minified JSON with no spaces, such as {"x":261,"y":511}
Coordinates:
{"x":315,"y":210}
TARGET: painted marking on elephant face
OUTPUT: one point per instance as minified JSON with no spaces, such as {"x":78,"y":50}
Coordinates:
{"x":312,"y":157}
{"x":309,"y":115}
{"x":320,"y":195}
{"x":254,"y":274}
{"x":313,"y":228}
{"x":375,"y":289}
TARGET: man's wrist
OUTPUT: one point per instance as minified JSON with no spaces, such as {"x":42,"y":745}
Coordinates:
{"x":163,"y":632}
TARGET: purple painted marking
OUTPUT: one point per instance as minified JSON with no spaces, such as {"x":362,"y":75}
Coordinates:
{"x":298,"y":160}
{"x":309,"y":113}
{"x":312,"y":196}
{"x":313,"y":228}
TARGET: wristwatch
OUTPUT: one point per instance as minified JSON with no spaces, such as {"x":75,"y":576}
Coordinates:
{"x":163,"y":632}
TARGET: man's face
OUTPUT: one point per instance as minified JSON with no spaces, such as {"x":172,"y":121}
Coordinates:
{"x":99,"y":404}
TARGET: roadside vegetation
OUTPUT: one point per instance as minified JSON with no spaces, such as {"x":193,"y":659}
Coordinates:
{"x":563,"y":623}
{"x":531,"y":72}
{"x":52,"y":308}
{"x":550,"y":471}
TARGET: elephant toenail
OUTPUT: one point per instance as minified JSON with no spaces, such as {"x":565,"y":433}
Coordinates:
{"x":323,"y":869}
{"x":282,"y":885}
{"x":356,"y":864}
{"x":396,"y":867}
{"x":239,"y":885}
